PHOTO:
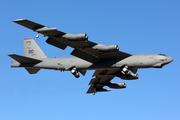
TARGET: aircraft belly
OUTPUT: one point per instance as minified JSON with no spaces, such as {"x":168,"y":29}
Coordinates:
{"x":65,"y":63}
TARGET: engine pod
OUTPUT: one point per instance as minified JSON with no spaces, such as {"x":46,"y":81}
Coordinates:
{"x":106,"y":48}
{"x":76,"y":37}
{"x":117,"y":85}
{"x":45,"y":29}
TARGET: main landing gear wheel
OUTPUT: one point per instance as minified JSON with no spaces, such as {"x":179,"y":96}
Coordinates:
{"x":75,"y":72}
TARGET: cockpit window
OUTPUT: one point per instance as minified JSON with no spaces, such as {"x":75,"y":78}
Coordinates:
{"x":162,"y":54}
{"x":161,"y":59}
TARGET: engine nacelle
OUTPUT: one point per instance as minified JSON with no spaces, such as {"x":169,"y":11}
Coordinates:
{"x":130,"y":76}
{"x":76,"y":37}
{"x":102,"y":90}
{"x":117,"y":85}
{"x":106,"y":48}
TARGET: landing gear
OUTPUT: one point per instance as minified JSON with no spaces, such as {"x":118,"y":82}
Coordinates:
{"x":94,"y":90}
{"x":75,"y":72}
{"x":126,"y":70}
{"x":129,"y":73}
{"x":37,"y":36}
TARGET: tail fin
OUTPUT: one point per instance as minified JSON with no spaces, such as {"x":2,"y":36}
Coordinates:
{"x":31,"y":49}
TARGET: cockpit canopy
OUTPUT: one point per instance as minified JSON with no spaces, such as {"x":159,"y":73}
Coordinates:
{"x":162,"y":54}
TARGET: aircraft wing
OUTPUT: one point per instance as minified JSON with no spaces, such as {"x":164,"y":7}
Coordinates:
{"x":83,"y":48}
{"x":102,"y":78}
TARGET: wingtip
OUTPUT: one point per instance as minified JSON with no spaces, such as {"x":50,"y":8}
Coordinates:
{"x":10,"y":55}
{"x":19,"y":20}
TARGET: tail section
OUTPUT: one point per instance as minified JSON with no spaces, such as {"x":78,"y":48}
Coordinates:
{"x":18,"y":60}
{"x":32,"y":70}
{"x":32,"y":55}
{"x":23,"y":59}
{"x":31,"y":49}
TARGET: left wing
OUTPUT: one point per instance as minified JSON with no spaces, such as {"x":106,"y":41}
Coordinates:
{"x":84,"y":49}
{"x":103,"y":78}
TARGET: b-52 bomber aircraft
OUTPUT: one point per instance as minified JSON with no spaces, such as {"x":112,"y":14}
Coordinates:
{"x":107,"y":61}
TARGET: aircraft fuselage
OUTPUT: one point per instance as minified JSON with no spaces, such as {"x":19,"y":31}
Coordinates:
{"x":137,"y":60}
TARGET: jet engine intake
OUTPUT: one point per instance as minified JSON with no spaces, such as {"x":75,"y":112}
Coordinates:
{"x":76,"y":37}
{"x":117,"y":85}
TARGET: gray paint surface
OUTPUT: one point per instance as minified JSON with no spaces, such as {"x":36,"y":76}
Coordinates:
{"x":107,"y":60}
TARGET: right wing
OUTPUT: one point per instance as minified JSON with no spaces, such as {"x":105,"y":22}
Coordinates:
{"x":103,"y":78}
{"x":38,"y":27}
{"x":84,"y":49}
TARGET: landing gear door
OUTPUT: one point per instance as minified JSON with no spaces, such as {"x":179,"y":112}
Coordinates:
{"x":134,"y":69}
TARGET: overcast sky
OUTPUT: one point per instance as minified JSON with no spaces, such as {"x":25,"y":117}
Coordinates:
{"x":136,"y":26}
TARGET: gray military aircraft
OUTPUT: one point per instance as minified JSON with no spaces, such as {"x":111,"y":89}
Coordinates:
{"x":107,"y":61}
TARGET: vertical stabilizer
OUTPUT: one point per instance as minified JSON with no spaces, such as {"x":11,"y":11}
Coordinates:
{"x":31,"y":49}
{"x":32,"y":70}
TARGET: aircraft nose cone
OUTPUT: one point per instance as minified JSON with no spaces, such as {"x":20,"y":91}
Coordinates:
{"x":170,"y":59}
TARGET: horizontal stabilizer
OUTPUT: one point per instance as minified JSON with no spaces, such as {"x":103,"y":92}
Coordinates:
{"x":23,"y":59}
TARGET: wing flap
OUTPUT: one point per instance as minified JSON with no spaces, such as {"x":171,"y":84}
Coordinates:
{"x":56,"y":43}
{"x":106,"y":78}
{"x":85,"y":56}
{"x":95,"y":80}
